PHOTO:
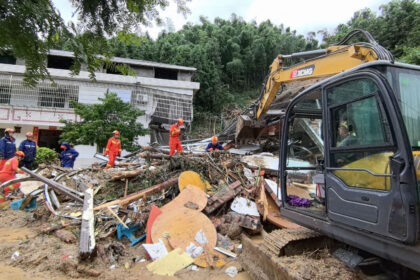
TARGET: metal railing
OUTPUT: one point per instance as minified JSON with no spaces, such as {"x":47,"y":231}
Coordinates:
{"x":162,"y":105}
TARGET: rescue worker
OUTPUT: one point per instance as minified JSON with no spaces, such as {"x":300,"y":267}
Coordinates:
{"x":214,"y":145}
{"x":7,"y":146}
{"x":113,"y":149}
{"x":8,"y":172}
{"x":28,"y":146}
{"x":68,"y":155}
{"x":174,"y":133}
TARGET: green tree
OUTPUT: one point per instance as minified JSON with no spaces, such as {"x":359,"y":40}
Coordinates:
{"x":100,"y":120}
{"x":30,"y":28}
{"x":396,"y":26}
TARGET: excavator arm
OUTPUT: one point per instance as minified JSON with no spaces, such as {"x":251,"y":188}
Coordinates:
{"x":335,"y":59}
{"x":284,"y":83}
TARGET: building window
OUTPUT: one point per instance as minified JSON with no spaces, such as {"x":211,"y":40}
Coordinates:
{"x":139,"y":99}
{"x":168,"y":74}
{"x":59,"y":62}
{"x":57,"y":97}
{"x":7,"y":59}
{"x":5,"y":93}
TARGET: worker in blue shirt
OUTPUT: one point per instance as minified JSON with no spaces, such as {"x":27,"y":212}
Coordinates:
{"x":68,"y":155}
{"x":214,"y":145}
{"x":7,"y":147}
{"x":28,"y":147}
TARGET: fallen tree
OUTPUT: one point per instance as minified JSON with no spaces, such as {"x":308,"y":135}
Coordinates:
{"x":126,"y":200}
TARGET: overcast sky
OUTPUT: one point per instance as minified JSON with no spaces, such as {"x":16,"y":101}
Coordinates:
{"x":301,"y":15}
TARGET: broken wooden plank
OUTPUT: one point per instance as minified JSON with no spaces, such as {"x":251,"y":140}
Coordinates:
{"x":245,"y":221}
{"x":221,"y":197}
{"x":58,"y":187}
{"x":26,"y":201}
{"x":116,"y":216}
{"x":154,"y":189}
{"x":148,"y":155}
{"x":87,"y":245}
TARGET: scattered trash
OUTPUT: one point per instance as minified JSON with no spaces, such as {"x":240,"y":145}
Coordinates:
{"x":185,"y":211}
{"x":239,"y":248}
{"x":294,"y":200}
{"x":171,"y":263}
{"x":200,"y":237}
{"x":156,"y":251}
{"x":15,"y":255}
{"x":244,"y":206}
{"x":226,"y":252}
{"x":129,"y":233}
{"x":17,"y":204}
{"x":193,"y":251}
{"x":191,"y":178}
{"x":193,"y":268}
{"x":231,"y":271}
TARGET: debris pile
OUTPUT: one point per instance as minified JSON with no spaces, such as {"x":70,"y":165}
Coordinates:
{"x":176,"y":212}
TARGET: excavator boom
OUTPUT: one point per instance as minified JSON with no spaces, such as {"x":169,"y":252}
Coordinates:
{"x":335,"y":60}
{"x":283,"y":83}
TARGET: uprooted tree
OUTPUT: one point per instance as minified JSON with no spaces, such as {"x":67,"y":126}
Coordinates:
{"x":98,"y":121}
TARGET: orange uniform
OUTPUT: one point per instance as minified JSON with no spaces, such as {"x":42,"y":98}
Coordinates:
{"x":8,"y":173}
{"x":113,"y":149}
{"x":174,"y":143}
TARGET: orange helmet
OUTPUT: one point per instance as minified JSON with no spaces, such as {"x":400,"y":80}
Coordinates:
{"x":20,"y":154}
{"x":9,"y":130}
{"x":214,"y":139}
{"x":180,"y":121}
{"x":116,"y":132}
{"x":29,"y":134}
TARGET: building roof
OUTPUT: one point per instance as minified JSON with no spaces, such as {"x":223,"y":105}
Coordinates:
{"x":130,"y":61}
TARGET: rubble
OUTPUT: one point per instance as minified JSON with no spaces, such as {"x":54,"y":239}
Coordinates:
{"x":168,"y":212}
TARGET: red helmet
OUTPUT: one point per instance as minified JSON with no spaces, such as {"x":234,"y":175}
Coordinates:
{"x":29,"y":134}
{"x":214,"y":139}
{"x":20,"y":154}
{"x":180,"y":121}
{"x":116,"y":132}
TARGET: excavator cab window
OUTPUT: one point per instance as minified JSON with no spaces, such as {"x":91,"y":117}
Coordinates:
{"x":304,"y":153}
{"x":359,"y":127}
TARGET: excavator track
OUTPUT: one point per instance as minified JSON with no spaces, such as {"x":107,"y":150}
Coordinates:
{"x":263,"y":256}
{"x":277,"y":241}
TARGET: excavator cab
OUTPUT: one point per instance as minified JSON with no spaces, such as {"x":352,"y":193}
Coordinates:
{"x":354,"y":159}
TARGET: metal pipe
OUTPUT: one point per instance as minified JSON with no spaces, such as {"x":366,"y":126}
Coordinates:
{"x":306,"y":54}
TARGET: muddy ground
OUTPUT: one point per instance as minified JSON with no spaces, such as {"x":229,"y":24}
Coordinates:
{"x":47,"y":257}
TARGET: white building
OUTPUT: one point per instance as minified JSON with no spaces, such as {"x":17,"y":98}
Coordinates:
{"x":163,"y":91}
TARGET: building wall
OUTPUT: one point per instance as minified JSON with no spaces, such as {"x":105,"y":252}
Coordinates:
{"x":144,"y":71}
{"x":45,"y":105}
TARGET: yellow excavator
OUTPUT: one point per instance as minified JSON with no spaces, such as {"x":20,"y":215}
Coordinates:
{"x":348,"y":119}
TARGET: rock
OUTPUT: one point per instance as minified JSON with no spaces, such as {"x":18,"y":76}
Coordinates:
{"x":66,"y":236}
{"x":88,"y":271}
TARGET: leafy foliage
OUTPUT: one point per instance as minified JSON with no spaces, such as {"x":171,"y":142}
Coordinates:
{"x":231,"y":56}
{"x":396,"y":27}
{"x":100,"y":120}
{"x":29,"y":29}
{"x":45,"y":155}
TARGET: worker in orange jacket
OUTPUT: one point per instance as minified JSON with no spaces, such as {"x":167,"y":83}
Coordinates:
{"x":8,"y":172}
{"x":174,"y":133}
{"x":113,"y":148}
